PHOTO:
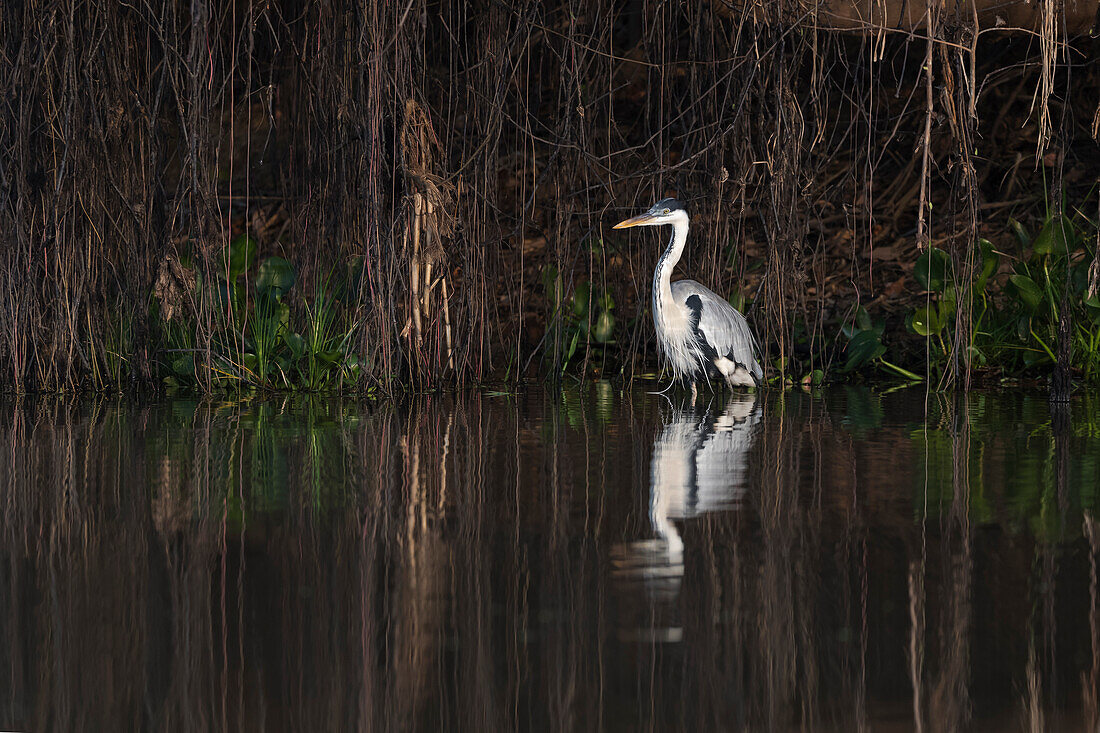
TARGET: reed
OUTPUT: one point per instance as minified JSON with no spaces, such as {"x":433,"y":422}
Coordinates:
{"x":436,"y":158}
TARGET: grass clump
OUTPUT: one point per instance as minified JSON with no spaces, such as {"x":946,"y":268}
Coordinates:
{"x":253,"y":339}
{"x":1016,"y":310}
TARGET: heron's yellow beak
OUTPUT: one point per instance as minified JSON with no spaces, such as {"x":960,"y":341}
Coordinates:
{"x":634,"y":221}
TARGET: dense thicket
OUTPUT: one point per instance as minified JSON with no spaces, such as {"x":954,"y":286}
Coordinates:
{"x":440,"y":177}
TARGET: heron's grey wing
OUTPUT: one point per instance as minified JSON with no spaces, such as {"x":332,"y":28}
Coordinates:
{"x":719,"y":327}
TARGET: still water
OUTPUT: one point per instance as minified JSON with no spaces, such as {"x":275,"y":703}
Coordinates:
{"x":593,"y":559}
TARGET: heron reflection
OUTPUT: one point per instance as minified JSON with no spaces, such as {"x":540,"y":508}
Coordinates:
{"x":698,"y":466}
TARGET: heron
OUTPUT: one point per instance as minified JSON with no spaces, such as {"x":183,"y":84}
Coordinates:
{"x":699,"y":333}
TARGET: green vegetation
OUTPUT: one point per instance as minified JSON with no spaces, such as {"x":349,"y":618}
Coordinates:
{"x":583,"y":321}
{"x":1016,"y":298}
{"x":256,"y":340}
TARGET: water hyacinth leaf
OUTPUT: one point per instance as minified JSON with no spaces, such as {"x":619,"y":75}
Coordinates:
{"x":864,"y":347}
{"x":990,"y":262}
{"x":1092,"y":307}
{"x":275,"y":277}
{"x":605,"y":327}
{"x":933,"y":270}
{"x":946,"y":310}
{"x":296,"y":344}
{"x":1026,"y":290}
{"x":1056,"y":237}
{"x":863,"y":319}
{"x":238,"y":257}
{"x":926,"y":321}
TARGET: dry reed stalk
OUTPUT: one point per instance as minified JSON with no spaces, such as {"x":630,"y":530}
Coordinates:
{"x":414,"y":272}
{"x":118,"y":119}
{"x":432,"y":201}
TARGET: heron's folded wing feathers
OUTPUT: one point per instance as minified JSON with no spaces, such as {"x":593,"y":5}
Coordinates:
{"x":718,"y":324}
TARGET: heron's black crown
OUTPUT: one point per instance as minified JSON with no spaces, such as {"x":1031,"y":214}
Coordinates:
{"x":670,"y":204}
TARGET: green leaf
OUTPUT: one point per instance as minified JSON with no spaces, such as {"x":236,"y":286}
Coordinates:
{"x":275,"y":277}
{"x":1092,"y":307}
{"x":1022,"y":235}
{"x":990,"y":262}
{"x":605,"y":327}
{"x":241,"y":253}
{"x":946,"y":310}
{"x":933,"y":270}
{"x":264,"y":330}
{"x":1027,"y":291}
{"x":926,"y":321}
{"x":296,"y":344}
{"x":864,"y":347}
{"x":572,"y":348}
{"x":737,"y":299}
{"x":1056,"y":237}
{"x":863,"y":319}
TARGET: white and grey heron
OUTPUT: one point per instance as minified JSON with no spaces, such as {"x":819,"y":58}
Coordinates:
{"x":698,"y":332}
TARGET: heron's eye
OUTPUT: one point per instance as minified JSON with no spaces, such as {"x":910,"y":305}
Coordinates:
{"x":667,"y":211}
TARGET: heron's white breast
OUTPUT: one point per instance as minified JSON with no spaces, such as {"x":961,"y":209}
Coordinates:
{"x":675,"y":339}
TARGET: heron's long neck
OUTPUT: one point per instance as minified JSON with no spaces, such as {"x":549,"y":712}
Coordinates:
{"x":662,"y":276}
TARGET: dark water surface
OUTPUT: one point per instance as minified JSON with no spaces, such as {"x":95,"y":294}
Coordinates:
{"x":578,"y":561}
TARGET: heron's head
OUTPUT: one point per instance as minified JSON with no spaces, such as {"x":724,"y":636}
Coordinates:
{"x":665,"y":211}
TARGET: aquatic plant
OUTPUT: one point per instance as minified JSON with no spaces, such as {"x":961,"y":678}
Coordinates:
{"x":1015,"y":314}
{"x":256,"y":341}
{"x":581,"y":323}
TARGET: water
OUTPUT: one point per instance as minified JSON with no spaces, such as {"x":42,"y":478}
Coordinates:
{"x":581,"y":561}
